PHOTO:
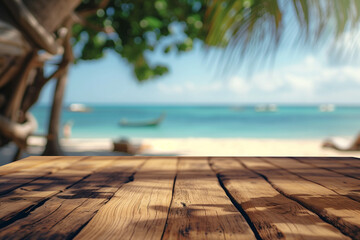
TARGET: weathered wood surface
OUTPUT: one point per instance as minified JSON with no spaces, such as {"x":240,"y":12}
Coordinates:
{"x":180,"y":198}
{"x":341,"y":211}
{"x":24,"y":176}
{"x":24,"y":163}
{"x":64,"y":214}
{"x":274,"y":215}
{"x":198,"y":199}
{"x":45,"y":187}
{"x":347,"y":166}
{"x":336,"y":182}
{"x":137,"y":209}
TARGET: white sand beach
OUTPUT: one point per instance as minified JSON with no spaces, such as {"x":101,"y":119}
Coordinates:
{"x":188,"y":147}
{"x":240,"y":147}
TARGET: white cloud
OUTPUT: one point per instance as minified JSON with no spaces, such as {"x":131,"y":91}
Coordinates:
{"x":238,"y":85}
{"x":190,"y":86}
{"x":310,"y":80}
{"x":267,"y":81}
{"x":310,"y":61}
{"x":307,"y":77}
{"x":299,"y":83}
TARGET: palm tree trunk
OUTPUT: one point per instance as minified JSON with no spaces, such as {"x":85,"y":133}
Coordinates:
{"x":52,"y":147}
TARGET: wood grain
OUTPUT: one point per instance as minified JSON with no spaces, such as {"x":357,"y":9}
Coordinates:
{"x":273,"y":215}
{"x":24,"y":199}
{"x":170,"y":197}
{"x":139,"y":208}
{"x":334,"y":181}
{"x":28,"y":162}
{"x":63,"y":215}
{"x":338,"y":210}
{"x":338,"y":165}
{"x":350,"y":161}
{"x":14,"y":180}
{"x":200,"y":208}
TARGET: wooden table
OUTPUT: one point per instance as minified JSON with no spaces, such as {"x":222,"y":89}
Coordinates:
{"x":180,"y":198}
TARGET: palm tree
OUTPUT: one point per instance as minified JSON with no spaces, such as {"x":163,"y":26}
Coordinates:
{"x":28,"y":40}
{"x":33,"y":32}
{"x":256,"y":27}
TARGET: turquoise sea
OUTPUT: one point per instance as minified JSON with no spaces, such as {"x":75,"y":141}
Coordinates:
{"x":302,"y":122}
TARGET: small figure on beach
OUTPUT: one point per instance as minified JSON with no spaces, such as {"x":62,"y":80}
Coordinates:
{"x":125,"y":146}
{"x":343,"y":144}
{"x":67,"y":129}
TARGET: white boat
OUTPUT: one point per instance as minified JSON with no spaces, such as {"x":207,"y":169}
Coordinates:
{"x":266,"y":108}
{"x":151,"y":123}
{"x":78,"y":107}
{"x":327,"y":108}
{"x":272,"y":108}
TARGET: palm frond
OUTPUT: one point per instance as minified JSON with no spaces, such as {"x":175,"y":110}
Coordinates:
{"x":256,"y":27}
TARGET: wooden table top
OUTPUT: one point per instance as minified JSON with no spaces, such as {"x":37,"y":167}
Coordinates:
{"x":180,"y":198}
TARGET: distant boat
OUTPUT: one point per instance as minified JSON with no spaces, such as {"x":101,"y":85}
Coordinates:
{"x":266,"y":108}
{"x":327,"y":108}
{"x":152,"y":123}
{"x":77,"y":107}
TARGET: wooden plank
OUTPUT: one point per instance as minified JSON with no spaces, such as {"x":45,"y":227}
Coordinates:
{"x":138,"y":209}
{"x":28,"y":162}
{"x":338,"y":210}
{"x":334,"y":181}
{"x":66,"y":213}
{"x":273,"y":215}
{"x":200,"y":208}
{"x":17,"y":179}
{"x":338,"y":165}
{"x":24,"y":199}
{"x":350,"y":161}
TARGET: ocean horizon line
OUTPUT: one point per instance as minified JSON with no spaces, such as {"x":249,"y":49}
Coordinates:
{"x":206,"y":104}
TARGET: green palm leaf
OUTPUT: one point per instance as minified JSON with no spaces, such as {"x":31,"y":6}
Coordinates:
{"x":256,"y":27}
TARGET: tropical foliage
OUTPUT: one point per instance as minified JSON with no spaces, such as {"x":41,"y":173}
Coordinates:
{"x":133,"y":28}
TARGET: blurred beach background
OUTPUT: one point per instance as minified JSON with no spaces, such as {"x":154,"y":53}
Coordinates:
{"x":169,"y":78}
{"x":201,"y":130}
{"x":267,"y":113}
{"x":286,"y":122}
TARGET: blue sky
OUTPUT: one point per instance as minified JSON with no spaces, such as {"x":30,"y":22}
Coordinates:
{"x":301,"y":76}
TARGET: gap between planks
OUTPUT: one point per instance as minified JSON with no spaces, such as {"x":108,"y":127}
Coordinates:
{"x":167,"y":215}
{"x":12,"y":181}
{"x":200,"y":208}
{"x":338,"y":210}
{"x":66,"y":213}
{"x":340,"y":165}
{"x":150,"y":194}
{"x":18,"y":203}
{"x":336,"y":182}
{"x":274,"y":215}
